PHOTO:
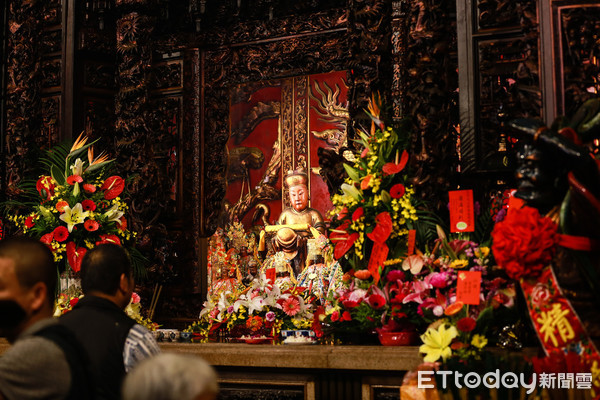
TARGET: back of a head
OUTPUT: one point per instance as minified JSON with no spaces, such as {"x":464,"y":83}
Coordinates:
{"x":33,"y":262}
{"x":170,"y":376}
{"x":102,"y":267}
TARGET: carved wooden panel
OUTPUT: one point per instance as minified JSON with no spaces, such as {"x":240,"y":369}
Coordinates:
{"x":499,"y":77}
{"x":575,"y":27}
{"x":279,"y":126}
{"x":430,"y":88}
{"x":261,"y":60}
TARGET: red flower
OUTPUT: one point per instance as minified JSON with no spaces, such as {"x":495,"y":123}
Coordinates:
{"x":73,"y":301}
{"x":397,"y":191}
{"x":358,"y":213}
{"x":122,"y":223}
{"x":458,"y":345}
{"x":90,"y":225}
{"x":45,"y":187}
{"x":524,"y":242}
{"x":343,"y":213}
{"x":540,"y":294}
{"x":346,"y":316}
{"x":60,"y":206}
{"x":29,"y":221}
{"x":291,"y":306}
{"x":383,"y":229}
{"x":350,"y":303}
{"x":60,"y":233}
{"x":364,"y":183}
{"x":393,"y":168}
{"x":88,"y":187}
{"x":74,"y":178}
{"x":75,"y":255}
{"x":88,"y":205}
{"x":114,"y":239}
{"x":466,"y":324}
{"x":363,"y":274}
{"x":342,"y":241}
{"x":335,"y":316}
{"x":47,"y":239}
{"x":113,"y":186}
{"x":395,"y":275}
{"x":376,"y":301}
{"x":364,"y":153}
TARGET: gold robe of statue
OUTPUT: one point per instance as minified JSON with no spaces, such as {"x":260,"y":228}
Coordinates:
{"x":299,"y":212}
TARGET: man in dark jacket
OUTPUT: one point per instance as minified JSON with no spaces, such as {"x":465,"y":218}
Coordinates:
{"x":45,"y":360}
{"x":113,"y":341}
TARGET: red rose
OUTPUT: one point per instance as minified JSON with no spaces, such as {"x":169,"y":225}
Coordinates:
{"x":90,"y":225}
{"x":74,"y":178}
{"x":29,"y":221}
{"x":346,"y":316}
{"x":60,"y":233}
{"x":466,"y":324}
{"x":113,"y":186}
{"x":88,"y":205}
{"x":358,"y":213}
{"x":88,"y":187}
{"x":73,"y":301}
{"x":524,"y":242}
{"x":335,"y":316}
{"x":397,"y":191}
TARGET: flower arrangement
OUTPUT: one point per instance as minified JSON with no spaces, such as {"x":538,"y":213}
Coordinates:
{"x":376,"y":209}
{"x":421,"y":290}
{"x":261,"y":310}
{"x":76,"y":207}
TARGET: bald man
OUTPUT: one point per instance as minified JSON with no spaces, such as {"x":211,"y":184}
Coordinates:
{"x":40,"y":362}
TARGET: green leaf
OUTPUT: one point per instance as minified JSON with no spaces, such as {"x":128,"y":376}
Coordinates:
{"x":484,"y":320}
{"x":57,"y":175}
{"x":76,"y":189}
{"x":352,"y":173}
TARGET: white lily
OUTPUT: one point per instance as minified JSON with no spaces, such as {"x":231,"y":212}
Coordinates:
{"x":113,"y":213}
{"x":74,"y":216}
{"x":77,"y":167}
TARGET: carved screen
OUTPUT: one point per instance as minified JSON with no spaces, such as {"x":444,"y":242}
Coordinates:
{"x":277,"y":126}
{"x":577,"y":48}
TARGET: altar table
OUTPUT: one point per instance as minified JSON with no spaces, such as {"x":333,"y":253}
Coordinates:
{"x":302,"y":372}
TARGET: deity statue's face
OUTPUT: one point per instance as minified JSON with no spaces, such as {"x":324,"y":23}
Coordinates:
{"x":299,"y":197}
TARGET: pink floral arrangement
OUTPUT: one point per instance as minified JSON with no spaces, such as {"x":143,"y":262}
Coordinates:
{"x":261,"y":310}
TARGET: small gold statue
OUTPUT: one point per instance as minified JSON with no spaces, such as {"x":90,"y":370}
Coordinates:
{"x":300,"y":213}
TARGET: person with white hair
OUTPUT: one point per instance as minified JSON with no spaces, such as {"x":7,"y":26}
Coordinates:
{"x":171,"y":376}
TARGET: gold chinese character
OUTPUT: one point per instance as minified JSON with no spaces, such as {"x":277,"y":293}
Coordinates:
{"x":553,"y":322}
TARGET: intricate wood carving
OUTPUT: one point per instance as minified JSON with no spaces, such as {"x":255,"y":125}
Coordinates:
{"x":431,"y":98}
{"x":300,"y":51}
{"x":23,"y":107}
{"x":579,"y":48}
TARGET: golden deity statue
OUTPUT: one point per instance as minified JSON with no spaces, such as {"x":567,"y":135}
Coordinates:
{"x":300,"y":213}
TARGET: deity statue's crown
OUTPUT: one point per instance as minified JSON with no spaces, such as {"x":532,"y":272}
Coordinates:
{"x":296,"y":177}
